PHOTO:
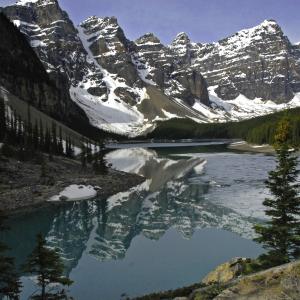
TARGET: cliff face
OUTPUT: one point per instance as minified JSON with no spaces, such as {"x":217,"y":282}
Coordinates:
{"x":259,"y":63}
{"x":23,"y":74}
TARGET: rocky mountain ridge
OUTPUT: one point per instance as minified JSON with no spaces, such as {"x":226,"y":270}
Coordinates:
{"x":126,"y":86}
{"x":23,"y":74}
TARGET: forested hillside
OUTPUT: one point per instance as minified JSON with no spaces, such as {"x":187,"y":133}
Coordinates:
{"x":258,"y":130}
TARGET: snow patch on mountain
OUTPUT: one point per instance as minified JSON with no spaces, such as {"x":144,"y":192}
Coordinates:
{"x":243,"y":108}
{"x":111,"y":114}
{"x":144,"y":70}
{"x":29,"y":2}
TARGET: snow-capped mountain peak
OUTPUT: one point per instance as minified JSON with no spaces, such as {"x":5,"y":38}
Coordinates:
{"x":181,"y":38}
{"x":37,"y":2}
{"x":126,"y":86}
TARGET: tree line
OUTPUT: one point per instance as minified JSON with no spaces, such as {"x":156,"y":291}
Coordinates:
{"x":259,"y":130}
{"x":31,"y":137}
{"x":27,"y":140}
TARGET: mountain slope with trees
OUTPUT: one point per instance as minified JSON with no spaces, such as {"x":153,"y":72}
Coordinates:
{"x":258,"y":130}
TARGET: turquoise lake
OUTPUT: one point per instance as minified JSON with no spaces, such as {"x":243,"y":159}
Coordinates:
{"x":195,"y":210}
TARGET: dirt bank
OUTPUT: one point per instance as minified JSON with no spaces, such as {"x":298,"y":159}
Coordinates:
{"x":22,"y":187}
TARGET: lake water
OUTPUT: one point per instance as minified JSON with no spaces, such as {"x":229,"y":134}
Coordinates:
{"x":195,"y":210}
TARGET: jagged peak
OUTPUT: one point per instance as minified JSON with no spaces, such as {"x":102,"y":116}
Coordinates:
{"x":38,"y":2}
{"x":267,"y":26}
{"x":99,"y":21}
{"x":246,"y":36}
{"x":181,"y":38}
{"x":147,"y":39}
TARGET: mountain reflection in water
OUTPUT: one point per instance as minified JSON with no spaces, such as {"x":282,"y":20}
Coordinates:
{"x":173,"y":195}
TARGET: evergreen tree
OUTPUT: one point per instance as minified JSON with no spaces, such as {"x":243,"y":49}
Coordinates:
{"x":72,"y":151}
{"x":48,"y":266}
{"x":54,"y":139}
{"x":60,"y":142}
{"x":41,"y":133}
{"x":89,"y":155}
{"x":28,"y":130}
{"x":102,"y":161}
{"x":96,"y":165}
{"x":47,"y":142}
{"x":35,"y":136}
{"x":280,"y":235}
{"x":83,"y":156}
{"x":2,"y":119}
{"x":10,"y":285}
{"x":20,"y":139}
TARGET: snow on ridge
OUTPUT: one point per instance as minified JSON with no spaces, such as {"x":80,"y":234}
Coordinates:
{"x":242,"y":108}
{"x":29,"y":2}
{"x":113,"y":114}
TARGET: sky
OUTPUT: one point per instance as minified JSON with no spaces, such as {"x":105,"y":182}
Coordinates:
{"x":202,"y":20}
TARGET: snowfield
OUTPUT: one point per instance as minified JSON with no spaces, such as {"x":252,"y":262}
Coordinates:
{"x":75,"y":192}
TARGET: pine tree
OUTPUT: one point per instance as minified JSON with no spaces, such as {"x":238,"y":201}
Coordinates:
{"x":60,"y":142}
{"x":83,"y":156}
{"x":35,"y":136}
{"x":2,"y":119}
{"x":96,"y":165}
{"x":54,"y":139}
{"x":10,"y":285}
{"x":20,"y":139}
{"x":280,"y":235}
{"x":28,"y":130}
{"x":47,"y":142}
{"x":41,"y":134}
{"x":89,"y":155}
{"x":102,"y":161}
{"x":49,"y":268}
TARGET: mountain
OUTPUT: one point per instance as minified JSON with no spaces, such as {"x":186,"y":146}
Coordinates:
{"x":23,"y":74}
{"x":126,"y":86}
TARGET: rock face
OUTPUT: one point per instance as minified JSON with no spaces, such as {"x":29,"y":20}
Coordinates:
{"x":227,"y":271}
{"x":282,"y":282}
{"x":259,"y":63}
{"x":279,"y":283}
{"x":157,"y":65}
{"x":125,"y":86}
{"x":23,"y":74}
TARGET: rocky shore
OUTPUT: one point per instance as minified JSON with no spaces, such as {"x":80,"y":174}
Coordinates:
{"x":23,"y":188}
{"x":228,"y":281}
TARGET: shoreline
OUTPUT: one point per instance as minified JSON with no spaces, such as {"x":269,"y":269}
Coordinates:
{"x":23,"y":190}
{"x":244,"y":146}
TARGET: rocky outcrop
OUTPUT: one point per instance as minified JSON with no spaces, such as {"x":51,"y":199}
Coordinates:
{"x":227,"y":271}
{"x":279,"y":283}
{"x":282,"y":283}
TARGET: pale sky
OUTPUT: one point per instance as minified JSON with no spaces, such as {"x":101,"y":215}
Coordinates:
{"x":202,"y":20}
